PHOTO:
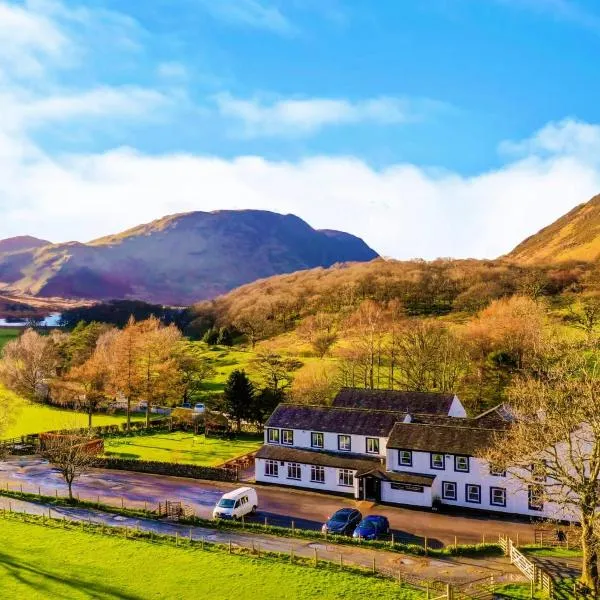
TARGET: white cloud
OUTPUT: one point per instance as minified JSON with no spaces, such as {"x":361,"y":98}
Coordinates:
{"x":257,"y":14}
{"x":402,"y":211}
{"x":297,"y":117}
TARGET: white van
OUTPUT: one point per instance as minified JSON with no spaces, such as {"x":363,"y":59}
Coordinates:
{"x":236,"y":504}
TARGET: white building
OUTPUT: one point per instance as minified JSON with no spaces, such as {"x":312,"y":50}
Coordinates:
{"x":405,"y":448}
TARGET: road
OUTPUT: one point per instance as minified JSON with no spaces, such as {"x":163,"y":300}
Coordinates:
{"x":279,"y":506}
{"x":411,"y":568}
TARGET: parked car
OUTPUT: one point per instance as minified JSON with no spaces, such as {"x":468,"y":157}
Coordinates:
{"x":372,"y":527}
{"x":236,"y":504}
{"x":186,"y":405}
{"x":342,"y":521}
{"x":199,"y":407}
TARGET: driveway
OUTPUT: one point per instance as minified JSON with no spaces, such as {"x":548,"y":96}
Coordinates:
{"x":278,"y":505}
{"x":411,"y":568}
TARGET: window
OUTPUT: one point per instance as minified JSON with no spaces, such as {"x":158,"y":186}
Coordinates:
{"x":437,"y":461}
{"x":448,"y":490}
{"x":287,"y":437}
{"x":316,"y":440}
{"x":372,"y":445}
{"x":473,"y":493}
{"x":536,"y":497}
{"x":317,"y":474}
{"x":497,"y":472}
{"x":461,"y":464}
{"x":344,"y":443}
{"x":273,"y":436}
{"x":272,"y":468}
{"x":497,"y":496}
{"x":407,"y":487}
{"x":405,"y":458}
{"x":346,"y":477}
{"x":294,"y":471}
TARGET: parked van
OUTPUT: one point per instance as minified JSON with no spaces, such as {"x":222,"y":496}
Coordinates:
{"x":236,"y":504}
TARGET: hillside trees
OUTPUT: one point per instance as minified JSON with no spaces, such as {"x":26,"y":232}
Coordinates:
{"x":238,"y":398}
{"x":28,"y":363}
{"x":194,"y":368}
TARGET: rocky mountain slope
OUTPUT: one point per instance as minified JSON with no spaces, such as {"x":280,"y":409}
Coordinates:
{"x":178,"y":259}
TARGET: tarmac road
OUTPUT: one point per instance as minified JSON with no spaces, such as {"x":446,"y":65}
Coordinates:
{"x":278,"y":505}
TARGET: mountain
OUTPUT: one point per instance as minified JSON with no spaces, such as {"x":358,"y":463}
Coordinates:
{"x":575,"y":236}
{"x":21,"y":242}
{"x":179,"y":259}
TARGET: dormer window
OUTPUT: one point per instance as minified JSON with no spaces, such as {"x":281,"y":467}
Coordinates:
{"x":317,"y":439}
{"x":287,"y":437}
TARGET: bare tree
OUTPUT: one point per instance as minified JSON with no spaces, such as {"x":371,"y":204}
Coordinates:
{"x":274,"y":369}
{"x":553,"y":448}
{"x":27,"y":364}
{"x":586,"y":315}
{"x":71,"y":455}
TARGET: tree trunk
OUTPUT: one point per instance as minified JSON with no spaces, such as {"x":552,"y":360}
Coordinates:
{"x":589,"y":563}
{"x":147,"y":415}
{"x":128,"y":412}
{"x":70,"y":485}
{"x":90,"y":418}
{"x":239,"y":425}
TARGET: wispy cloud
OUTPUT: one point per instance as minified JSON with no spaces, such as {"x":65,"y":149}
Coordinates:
{"x":306,"y":116}
{"x":563,"y":10}
{"x":257,"y":14}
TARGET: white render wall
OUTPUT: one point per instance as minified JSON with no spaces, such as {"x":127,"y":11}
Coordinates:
{"x":302,"y":441}
{"x":423,"y":499}
{"x":517,"y":500}
{"x":331,"y":478}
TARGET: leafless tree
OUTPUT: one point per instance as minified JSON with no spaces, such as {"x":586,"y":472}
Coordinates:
{"x":553,"y":449}
{"x":71,"y":455}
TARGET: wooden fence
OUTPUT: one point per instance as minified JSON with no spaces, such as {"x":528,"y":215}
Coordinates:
{"x":534,"y":573}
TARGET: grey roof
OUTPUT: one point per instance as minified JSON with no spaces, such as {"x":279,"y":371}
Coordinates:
{"x":377,"y":423}
{"x":322,"y":458}
{"x":397,"y":401}
{"x":398,"y":476}
{"x":449,"y":439}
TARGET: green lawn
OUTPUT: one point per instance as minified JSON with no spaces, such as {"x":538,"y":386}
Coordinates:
{"x":28,"y":417}
{"x":41,"y":562}
{"x":552,"y":552}
{"x":180,"y":447}
{"x":7,"y":334}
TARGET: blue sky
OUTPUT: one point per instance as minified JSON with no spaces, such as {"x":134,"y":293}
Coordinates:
{"x":429,"y":127}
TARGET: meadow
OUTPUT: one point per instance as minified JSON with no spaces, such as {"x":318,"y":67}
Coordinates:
{"x":180,"y":447}
{"x":38,"y":562}
{"x":7,"y":334}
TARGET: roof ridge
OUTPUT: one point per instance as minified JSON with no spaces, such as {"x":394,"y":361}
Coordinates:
{"x":489,"y":410}
{"x":447,"y":426}
{"x":396,"y":391}
{"x":348,"y":408}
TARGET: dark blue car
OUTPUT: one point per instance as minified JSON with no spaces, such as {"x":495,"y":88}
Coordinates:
{"x":342,"y":521}
{"x":372,"y":527}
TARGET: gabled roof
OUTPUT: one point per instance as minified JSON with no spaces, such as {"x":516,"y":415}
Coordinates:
{"x":448,"y":439}
{"x":397,"y":401}
{"x":340,"y":460}
{"x":376,"y":423}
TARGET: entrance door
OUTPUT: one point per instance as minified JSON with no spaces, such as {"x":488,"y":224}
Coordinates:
{"x":372,"y":489}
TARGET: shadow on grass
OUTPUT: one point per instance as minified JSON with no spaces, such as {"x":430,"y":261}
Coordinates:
{"x":42,"y":580}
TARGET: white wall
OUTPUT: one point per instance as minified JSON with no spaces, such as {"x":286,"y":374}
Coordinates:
{"x":405,"y":497}
{"x":302,"y":440}
{"x":331,"y":478}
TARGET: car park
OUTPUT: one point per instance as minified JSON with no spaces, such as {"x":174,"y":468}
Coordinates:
{"x":372,"y":527}
{"x":342,"y":521}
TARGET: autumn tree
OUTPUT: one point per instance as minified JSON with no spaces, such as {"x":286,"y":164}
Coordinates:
{"x":125,"y":375}
{"x":158,"y":372}
{"x":28,"y":362}
{"x":193,"y":366}
{"x":81,"y":342}
{"x":315,"y":384}
{"x":71,"y":455}
{"x":585,"y":315}
{"x":553,"y":447}
{"x":274,"y":369}
{"x":238,"y":398}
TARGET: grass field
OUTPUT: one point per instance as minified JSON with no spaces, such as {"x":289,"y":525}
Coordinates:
{"x":28,"y":417}
{"x":7,"y":334}
{"x":180,"y":447}
{"x":38,"y":562}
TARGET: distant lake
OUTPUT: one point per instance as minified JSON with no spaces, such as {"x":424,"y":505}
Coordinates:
{"x":51,"y":320}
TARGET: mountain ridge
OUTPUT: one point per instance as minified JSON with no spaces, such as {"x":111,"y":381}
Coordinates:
{"x":180,"y":258}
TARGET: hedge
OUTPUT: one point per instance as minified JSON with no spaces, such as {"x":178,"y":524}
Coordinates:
{"x":167,"y":468}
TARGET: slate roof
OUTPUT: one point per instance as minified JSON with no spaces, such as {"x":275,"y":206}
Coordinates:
{"x":398,"y":476}
{"x":447,"y":439}
{"x":397,"y":401}
{"x":377,"y":423}
{"x":322,"y":458}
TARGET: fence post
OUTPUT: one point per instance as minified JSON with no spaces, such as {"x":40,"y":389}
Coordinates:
{"x":427,"y":590}
{"x":425,"y":545}
{"x":293,"y":527}
{"x":449,"y":591}
{"x":392,"y":542}
{"x":177,"y":538}
{"x":39,"y":491}
{"x":122,"y":502}
{"x":229,"y":545}
{"x":265,"y":522}
{"x":455,"y":543}
{"x":190,"y":535}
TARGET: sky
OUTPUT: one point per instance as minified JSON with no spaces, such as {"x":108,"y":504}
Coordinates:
{"x":430,"y":128}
